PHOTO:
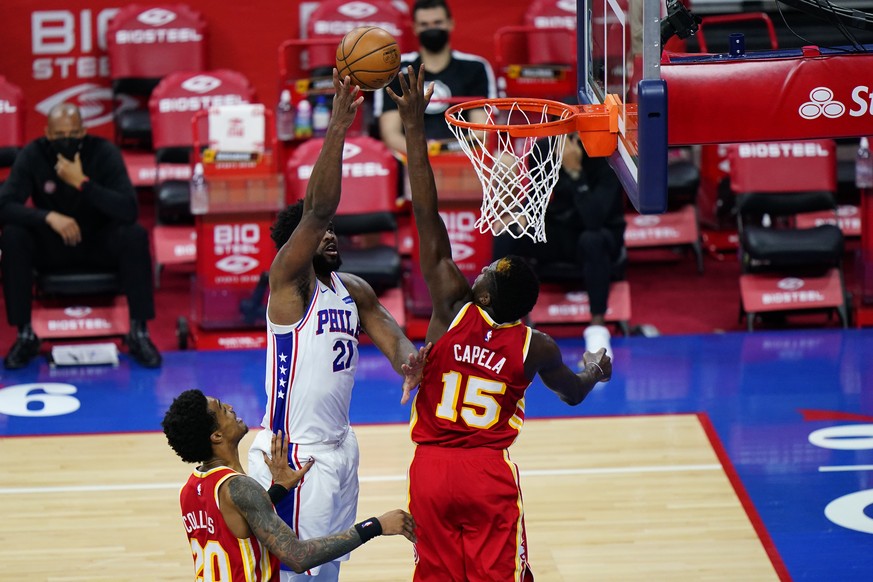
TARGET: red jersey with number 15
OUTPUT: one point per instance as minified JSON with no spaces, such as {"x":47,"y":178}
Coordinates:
{"x":218,"y":554}
{"x":473,"y":385}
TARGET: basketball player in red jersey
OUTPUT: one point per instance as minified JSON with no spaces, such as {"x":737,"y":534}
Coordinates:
{"x":463,"y":488}
{"x":234,"y":532}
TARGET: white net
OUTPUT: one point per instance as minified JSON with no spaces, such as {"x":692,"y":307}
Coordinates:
{"x":517,"y":173}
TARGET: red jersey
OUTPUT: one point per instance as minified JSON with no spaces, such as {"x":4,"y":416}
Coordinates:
{"x":218,"y":554}
{"x":473,"y":385}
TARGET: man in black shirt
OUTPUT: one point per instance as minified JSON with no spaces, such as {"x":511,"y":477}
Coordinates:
{"x":83,"y":215}
{"x":456,"y":77}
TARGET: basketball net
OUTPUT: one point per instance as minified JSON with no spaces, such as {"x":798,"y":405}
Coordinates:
{"x":517,"y":174}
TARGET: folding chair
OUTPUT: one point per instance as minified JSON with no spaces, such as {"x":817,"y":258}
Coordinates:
{"x":145,"y":43}
{"x":787,"y":268}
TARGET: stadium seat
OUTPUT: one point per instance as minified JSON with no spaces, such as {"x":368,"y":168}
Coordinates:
{"x":79,"y":304}
{"x":145,"y":43}
{"x":172,"y":106}
{"x":334,"y":18}
{"x":305,"y":64}
{"x":538,"y":58}
{"x":785,"y":268}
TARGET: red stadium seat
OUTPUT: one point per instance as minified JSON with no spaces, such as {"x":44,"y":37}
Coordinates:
{"x":173,"y":104}
{"x":334,"y":18}
{"x":145,"y":43}
{"x":538,"y":59}
{"x":787,"y":268}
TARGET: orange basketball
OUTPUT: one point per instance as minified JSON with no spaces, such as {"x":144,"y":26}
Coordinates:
{"x":370,"y":56}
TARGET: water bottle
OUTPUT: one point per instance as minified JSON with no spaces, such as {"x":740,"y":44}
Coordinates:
{"x":864,"y":165}
{"x":199,"y":191}
{"x":285,"y":117}
{"x":303,"y":120}
{"x":320,"y":117}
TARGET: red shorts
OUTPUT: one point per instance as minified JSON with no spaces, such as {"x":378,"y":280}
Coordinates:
{"x":469,"y":515}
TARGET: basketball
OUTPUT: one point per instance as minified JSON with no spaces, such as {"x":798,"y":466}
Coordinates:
{"x":370,"y":56}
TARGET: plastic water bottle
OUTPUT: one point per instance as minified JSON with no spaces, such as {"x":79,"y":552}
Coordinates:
{"x":303,"y":120}
{"x":320,"y":117}
{"x":864,"y":165}
{"x":199,"y":191}
{"x":285,"y":117}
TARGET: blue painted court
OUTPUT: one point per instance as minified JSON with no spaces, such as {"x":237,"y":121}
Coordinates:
{"x":790,"y":415}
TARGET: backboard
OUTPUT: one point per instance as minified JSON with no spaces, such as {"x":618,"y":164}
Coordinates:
{"x":619,"y":53}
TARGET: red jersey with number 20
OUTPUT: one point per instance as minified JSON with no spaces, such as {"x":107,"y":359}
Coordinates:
{"x":473,"y":385}
{"x":218,"y":554}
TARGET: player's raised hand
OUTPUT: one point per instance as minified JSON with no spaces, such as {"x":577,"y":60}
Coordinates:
{"x":398,"y":522}
{"x":412,"y":371}
{"x":412,"y":103}
{"x":281,"y":471}
{"x":346,"y":100}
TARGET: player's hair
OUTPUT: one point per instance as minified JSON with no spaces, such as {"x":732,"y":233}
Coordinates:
{"x":515,"y":289}
{"x":188,"y":425}
{"x":286,"y":222}
{"x":426,"y":4}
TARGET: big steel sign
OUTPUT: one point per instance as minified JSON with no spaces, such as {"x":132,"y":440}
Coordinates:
{"x":69,"y":63}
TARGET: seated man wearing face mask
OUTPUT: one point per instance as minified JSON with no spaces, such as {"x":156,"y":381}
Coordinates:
{"x":83,"y":214}
{"x":455,"y":75}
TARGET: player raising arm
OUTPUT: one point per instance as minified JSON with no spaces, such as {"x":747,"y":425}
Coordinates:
{"x":470,"y":406}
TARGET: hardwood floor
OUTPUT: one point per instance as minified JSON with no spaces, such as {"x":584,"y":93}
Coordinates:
{"x":616,"y":498}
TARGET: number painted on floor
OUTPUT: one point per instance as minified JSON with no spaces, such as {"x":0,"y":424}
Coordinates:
{"x":41,"y":399}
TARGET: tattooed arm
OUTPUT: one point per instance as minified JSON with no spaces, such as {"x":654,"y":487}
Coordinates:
{"x":253,"y":505}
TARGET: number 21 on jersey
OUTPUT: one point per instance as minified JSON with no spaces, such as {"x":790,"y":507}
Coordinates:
{"x":480,"y":409}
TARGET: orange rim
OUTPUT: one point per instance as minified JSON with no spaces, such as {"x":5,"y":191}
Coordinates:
{"x":546,"y":128}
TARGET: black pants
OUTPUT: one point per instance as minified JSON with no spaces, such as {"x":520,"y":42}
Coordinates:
{"x":121,"y":248}
{"x":593,"y":251}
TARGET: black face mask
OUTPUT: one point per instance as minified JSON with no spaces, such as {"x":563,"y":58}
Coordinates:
{"x":434,"y":39}
{"x":67,"y":146}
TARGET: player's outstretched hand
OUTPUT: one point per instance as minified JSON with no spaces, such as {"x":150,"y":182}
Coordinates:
{"x":346,"y":100}
{"x":398,"y":522}
{"x":600,"y":364}
{"x":414,"y":99}
{"x":412,"y":371}
{"x":281,"y":471}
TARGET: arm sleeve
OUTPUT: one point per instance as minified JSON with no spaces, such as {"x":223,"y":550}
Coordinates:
{"x":17,"y":189}
{"x":109,"y":189}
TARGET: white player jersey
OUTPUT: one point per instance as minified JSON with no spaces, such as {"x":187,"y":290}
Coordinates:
{"x":311,"y":368}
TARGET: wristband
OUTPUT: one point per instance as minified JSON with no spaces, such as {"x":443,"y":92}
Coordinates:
{"x":82,"y":185}
{"x":277,"y":493}
{"x":368,"y":529}
{"x":599,"y":369}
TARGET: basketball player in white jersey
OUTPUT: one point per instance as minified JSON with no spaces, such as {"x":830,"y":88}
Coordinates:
{"x":314,"y":318}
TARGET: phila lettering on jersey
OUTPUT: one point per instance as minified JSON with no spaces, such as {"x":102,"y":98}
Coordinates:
{"x":311,"y":368}
{"x":218,"y":554}
{"x":472,"y":391}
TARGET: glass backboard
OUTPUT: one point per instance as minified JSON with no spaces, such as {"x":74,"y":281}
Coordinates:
{"x":619,"y":53}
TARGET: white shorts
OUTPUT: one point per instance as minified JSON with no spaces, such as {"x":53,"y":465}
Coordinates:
{"x":326,"y":500}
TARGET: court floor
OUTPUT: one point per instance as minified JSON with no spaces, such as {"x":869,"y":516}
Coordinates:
{"x":719,"y":457}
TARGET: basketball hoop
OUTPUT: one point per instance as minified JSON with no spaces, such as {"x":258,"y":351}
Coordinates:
{"x":520,"y":169}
